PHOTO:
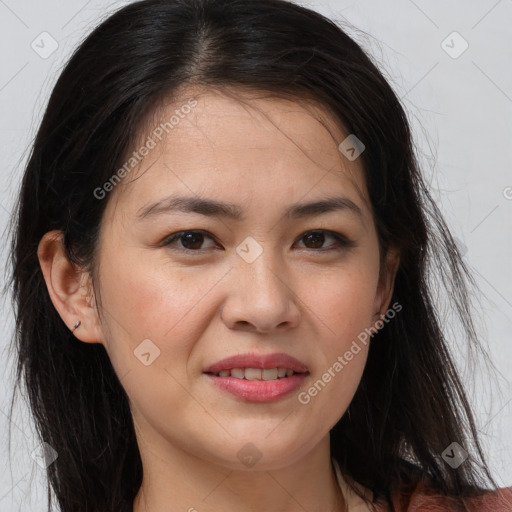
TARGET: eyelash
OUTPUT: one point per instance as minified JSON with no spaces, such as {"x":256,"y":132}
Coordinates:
{"x":341,"y":241}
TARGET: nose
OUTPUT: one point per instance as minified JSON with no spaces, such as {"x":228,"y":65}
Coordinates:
{"x":261,"y":297}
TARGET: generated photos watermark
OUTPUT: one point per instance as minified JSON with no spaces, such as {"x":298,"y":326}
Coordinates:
{"x":304,"y":397}
{"x":145,"y":149}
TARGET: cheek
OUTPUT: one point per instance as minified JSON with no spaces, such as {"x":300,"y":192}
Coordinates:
{"x":149,"y":294}
{"x":149,"y":311}
{"x":142,"y":300}
{"x":345,"y":300}
{"x":345,"y":307}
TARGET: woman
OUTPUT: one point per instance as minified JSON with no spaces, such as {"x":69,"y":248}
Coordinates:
{"x":220,"y":271}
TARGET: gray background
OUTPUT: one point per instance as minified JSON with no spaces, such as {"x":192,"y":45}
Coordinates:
{"x":460,"y":105}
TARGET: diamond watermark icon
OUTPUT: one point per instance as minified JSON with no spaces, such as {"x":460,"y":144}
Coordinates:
{"x":249,"y":455}
{"x":146,"y":352}
{"x":454,"y":455}
{"x":454,"y":45}
{"x":351,"y":147}
{"x":461,"y":246}
{"x":44,"y":45}
{"x":44,"y":455}
{"x":249,"y":249}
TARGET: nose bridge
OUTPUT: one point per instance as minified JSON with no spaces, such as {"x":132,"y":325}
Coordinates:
{"x":263,"y":297}
{"x":259,"y":269}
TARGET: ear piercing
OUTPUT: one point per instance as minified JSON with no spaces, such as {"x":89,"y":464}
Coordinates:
{"x":77,"y":324}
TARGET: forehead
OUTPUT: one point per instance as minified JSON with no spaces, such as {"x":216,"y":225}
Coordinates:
{"x":234,"y":145}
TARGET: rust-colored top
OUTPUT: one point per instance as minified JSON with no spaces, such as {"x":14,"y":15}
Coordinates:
{"x":424,"y":499}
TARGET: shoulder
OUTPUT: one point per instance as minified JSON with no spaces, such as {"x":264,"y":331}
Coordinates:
{"x":424,"y":499}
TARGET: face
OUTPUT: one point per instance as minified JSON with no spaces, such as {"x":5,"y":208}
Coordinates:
{"x":186,"y":285}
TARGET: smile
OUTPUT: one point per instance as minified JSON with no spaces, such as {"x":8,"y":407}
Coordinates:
{"x":257,"y":373}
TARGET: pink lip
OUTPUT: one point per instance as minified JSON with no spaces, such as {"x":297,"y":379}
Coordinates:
{"x":262,"y":361}
{"x":259,"y":390}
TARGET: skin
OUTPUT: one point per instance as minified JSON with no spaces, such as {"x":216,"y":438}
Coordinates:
{"x":263,"y":155}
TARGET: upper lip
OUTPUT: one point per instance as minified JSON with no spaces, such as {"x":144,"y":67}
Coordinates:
{"x":262,"y":361}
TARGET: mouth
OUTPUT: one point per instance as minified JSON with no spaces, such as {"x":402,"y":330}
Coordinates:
{"x":256,"y":373}
{"x":258,"y":377}
{"x":253,"y":366}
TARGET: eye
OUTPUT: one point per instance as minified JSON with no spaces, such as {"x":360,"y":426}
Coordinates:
{"x":192,"y":240}
{"x":317,"y":237}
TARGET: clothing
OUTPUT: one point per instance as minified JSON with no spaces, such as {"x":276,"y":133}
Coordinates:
{"x":424,"y":499}
{"x":355,"y":502}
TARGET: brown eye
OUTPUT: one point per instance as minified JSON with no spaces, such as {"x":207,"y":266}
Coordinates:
{"x":190,"y":240}
{"x":315,"y":240}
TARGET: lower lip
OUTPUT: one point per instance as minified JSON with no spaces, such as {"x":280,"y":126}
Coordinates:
{"x":259,"y":390}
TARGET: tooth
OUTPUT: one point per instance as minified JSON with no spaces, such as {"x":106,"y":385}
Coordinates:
{"x":281,"y":372}
{"x":253,"y":374}
{"x":289,"y":372}
{"x":238,"y":373}
{"x":269,"y":374}
{"x":224,"y":373}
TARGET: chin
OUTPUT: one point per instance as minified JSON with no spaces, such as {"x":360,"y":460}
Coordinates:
{"x":263,"y":452}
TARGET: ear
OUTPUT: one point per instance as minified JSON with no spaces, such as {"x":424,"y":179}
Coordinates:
{"x":70,"y":288}
{"x":386,"y":282}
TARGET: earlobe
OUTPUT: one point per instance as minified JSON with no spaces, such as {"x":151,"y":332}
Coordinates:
{"x":68,"y":287}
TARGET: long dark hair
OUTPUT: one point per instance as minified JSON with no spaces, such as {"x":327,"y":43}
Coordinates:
{"x":410,"y":405}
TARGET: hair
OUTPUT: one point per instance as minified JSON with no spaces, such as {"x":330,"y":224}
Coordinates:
{"x":410,"y":404}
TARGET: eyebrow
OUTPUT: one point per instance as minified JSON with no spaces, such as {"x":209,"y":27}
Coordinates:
{"x":213,"y":208}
